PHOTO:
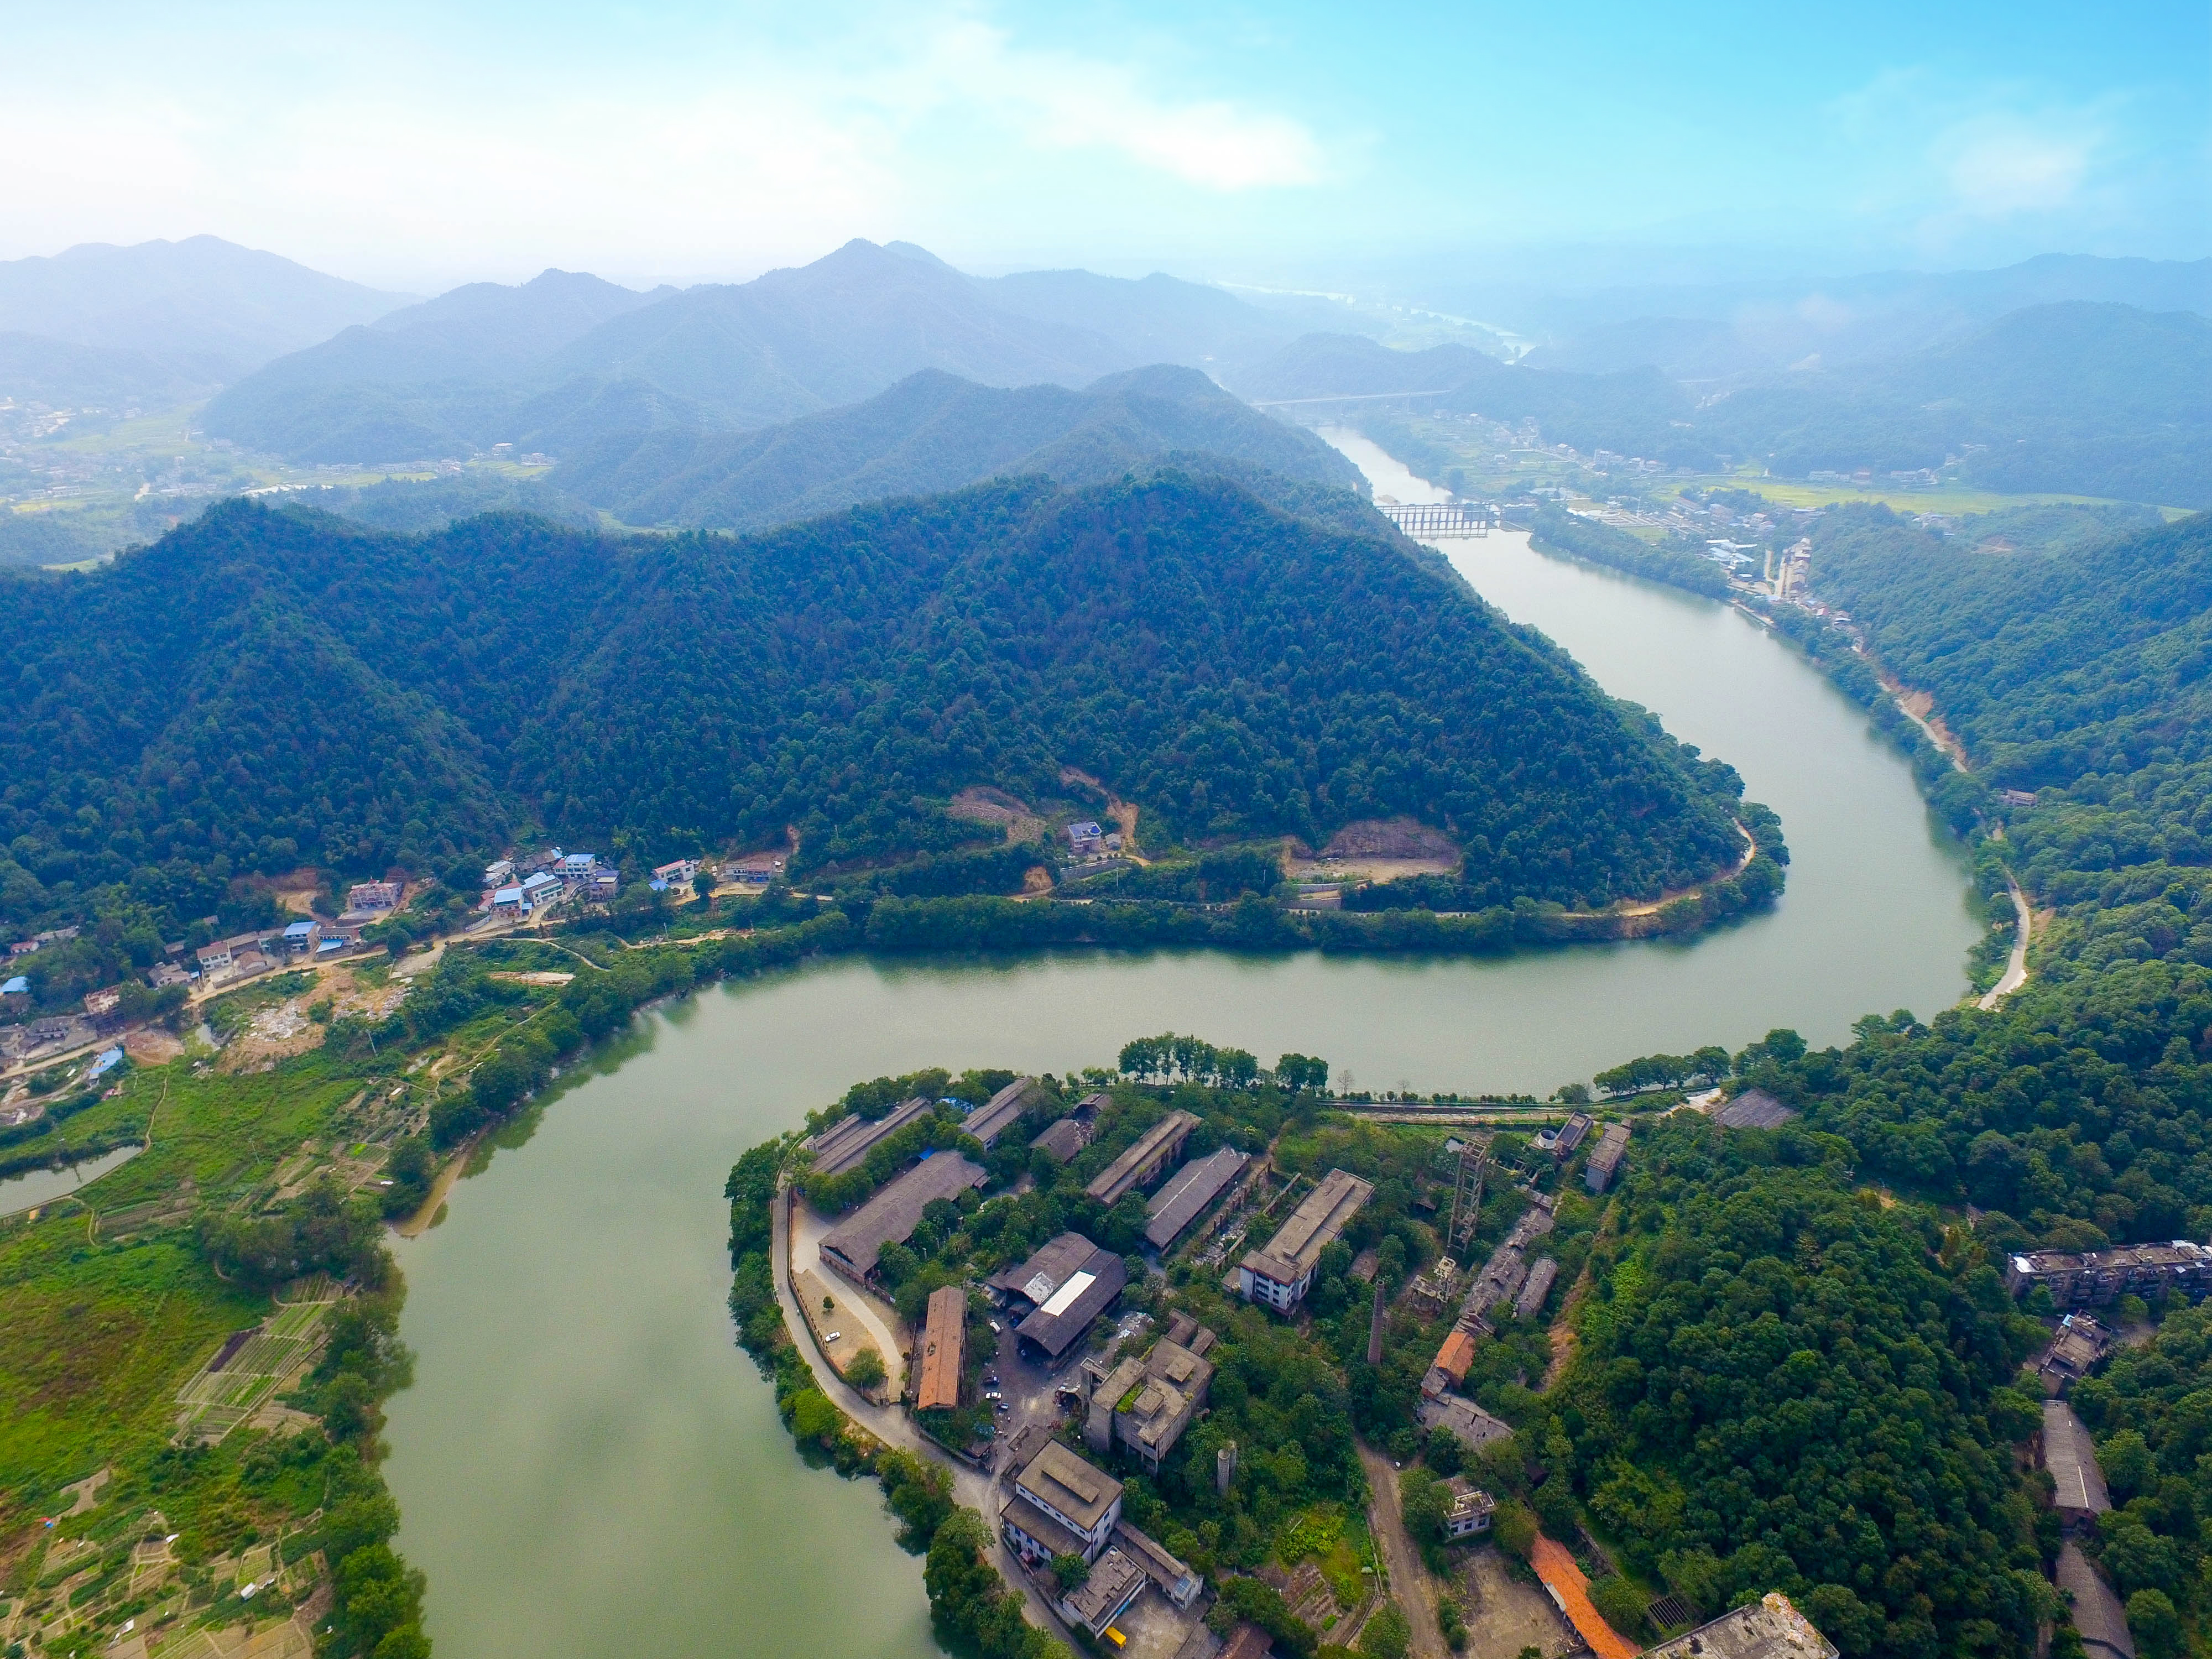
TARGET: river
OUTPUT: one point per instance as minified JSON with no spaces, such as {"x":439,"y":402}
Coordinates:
{"x":586,"y":1464}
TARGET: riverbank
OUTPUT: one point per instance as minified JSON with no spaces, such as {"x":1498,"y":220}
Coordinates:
{"x":586,"y":1463}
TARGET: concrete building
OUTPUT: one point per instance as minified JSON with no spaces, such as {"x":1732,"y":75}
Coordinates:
{"x":846,"y":1143}
{"x":1282,"y":1273}
{"x":853,"y":1247}
{"x":1771,"y":1628}
{"x":373,"y":897}
{"x":1144,"y":1404}
{"x":1562,"y":1142}
{"x":1176,"y":1580}
{"x":1062,"y":1506}
{"x":1467,"y":1515}
{"x":1186,"y":1194}
{"x":2097,"y":1277}
{"x":1099,"y":1600}
{"x":1059,"y":1291}
{"x":943,"y":1345}
{"x":1541,"y":1275}
{"x":1754,"y":1108}
{"x":2098,"y":1619}
{"x":1431,"y":1294}
{"x":1003,"y":1110}
{"x":1062,"y":1141}
{"x":300,"y":937}
{"x":2077,"y":1344}
{"x":1145,"y":1160}
{"x":1605,"y":1162}
{"x":1456,"y":1415}
{"x":2078,"y":1479}
{"x":679,"y":872}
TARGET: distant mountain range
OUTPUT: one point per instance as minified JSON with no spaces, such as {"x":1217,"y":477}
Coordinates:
{"x":934,"y":432}
{"x":2094,"y":398}
{"x":564,"y":359}
{"x":1718,"y":331}
{"x":163,"y":320}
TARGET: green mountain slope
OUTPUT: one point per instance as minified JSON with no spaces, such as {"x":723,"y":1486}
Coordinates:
{"x":2048,"y":665}
{"x":268,"y":686}
{"x":933,"y":432}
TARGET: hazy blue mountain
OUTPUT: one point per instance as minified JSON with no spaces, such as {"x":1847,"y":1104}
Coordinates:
{"x":1715,"y":332}
{"x":36,"y":369}
{"x":1157,"y":319}
{"x":440,"y":378}
{"x":201,"y":298}
{"x":843,"y":328}
{"x":934,"y":432}
{"x":2098,"y":399}
{"x":1352,"y":365}
{"x":1636,"y":412}
{"x":532,"y":366}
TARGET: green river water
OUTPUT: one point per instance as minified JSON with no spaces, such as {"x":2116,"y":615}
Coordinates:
{"x":588,"y":1465}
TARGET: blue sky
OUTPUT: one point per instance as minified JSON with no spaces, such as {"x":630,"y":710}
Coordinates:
{"x":418,"y":146}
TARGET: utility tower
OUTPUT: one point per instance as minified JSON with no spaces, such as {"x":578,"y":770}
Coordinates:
{"x":1467,"y":1197}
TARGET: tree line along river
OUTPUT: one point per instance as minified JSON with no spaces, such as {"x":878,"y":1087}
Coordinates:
{"x":586,"y":1465}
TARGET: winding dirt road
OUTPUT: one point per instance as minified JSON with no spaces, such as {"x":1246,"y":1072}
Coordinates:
{"x":1409,"y":1580}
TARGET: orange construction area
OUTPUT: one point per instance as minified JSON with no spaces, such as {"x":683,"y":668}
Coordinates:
{"x":1456,"y":1356}
{"x":1571,"y":1591}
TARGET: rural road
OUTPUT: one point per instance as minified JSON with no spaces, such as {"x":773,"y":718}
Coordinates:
{"x":1409,"y":1579}
{"x":972,"y":1488}
{"x":2015,"y":973}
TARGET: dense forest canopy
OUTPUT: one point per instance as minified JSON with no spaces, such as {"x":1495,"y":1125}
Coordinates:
{"x":270,"y":687}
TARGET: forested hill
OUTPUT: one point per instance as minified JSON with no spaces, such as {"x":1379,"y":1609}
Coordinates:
{"x":268,"y":687}
{"x":2048,"y":665}
{"x":934,"y":432}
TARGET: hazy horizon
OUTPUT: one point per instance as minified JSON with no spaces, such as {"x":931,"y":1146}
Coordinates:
{"x":1302,"y":148}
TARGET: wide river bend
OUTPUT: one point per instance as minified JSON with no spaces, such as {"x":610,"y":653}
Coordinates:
{"x":588,"y":1465}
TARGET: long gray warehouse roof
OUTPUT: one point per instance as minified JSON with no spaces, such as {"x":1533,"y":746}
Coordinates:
{"x":1114,"y":1182}
{"x":1187,"y":1192}
{"x":1002,"y":1111}
{"x":842,"y":1145}
{"x":891,"y":1216}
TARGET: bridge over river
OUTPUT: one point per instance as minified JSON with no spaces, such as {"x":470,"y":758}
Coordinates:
{"x":1440,"y":519}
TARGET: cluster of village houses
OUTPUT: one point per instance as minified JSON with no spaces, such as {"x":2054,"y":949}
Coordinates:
{"x":223,"y":961}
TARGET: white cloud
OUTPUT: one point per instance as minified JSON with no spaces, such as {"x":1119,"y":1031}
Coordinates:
{"x":1072,"y":102}
{"x":2000,"y":165}
{"x":455,"y":161}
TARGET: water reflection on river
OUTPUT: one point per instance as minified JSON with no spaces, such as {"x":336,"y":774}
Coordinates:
{"x":588,"y":1466}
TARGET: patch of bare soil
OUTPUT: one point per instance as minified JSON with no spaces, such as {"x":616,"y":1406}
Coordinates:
{"x":1036,"y":882}
{"x":1372,"y":850}
{"x":984,"y":805}
{"x":276,"y":1032}
{"x":149,"y":1045}
{"x":545,"y":977}
{"x":1506,"y":1612}
{"x":1390,"y":838}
